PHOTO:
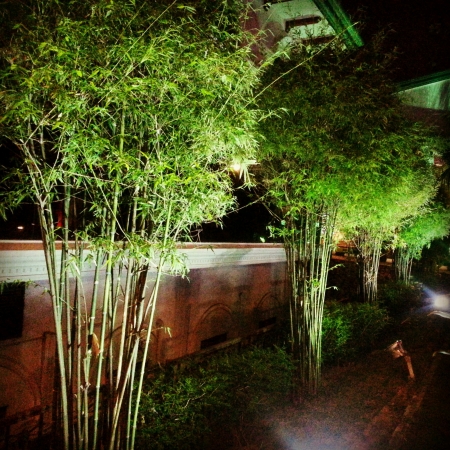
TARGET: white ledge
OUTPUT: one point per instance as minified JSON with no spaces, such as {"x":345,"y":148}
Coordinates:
{"x":24,"y":260}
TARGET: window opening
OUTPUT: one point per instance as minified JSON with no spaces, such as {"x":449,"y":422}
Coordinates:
{"x":319,"y":40}
{"x":301,"y":21}
{"x":210,"y":342}
{"x":267,"y":322}
{"x":12,"y":301}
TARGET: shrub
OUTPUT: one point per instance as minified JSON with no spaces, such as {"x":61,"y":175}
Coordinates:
{"x":350,"y":329}
{"x":398,"y":298}
{"x":182,"y":406}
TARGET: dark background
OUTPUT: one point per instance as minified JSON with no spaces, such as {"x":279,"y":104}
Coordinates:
{"x":418,"y":30}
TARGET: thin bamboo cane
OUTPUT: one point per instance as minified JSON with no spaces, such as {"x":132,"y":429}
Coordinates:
{"x":48,"y":239}
{"x":56,"y":304}
{"x":311,"y":269}
{"x":90,"y":334}
{"x":150,"y":324}
{"x":129,"y":411}
{"x":105,"y":306}
{"x":126,"y":300}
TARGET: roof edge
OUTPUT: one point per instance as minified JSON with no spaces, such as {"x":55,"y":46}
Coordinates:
{"x":423,"y":81}
{"x":340,"y":21}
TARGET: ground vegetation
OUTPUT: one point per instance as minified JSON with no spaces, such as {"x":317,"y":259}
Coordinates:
{"x":417,"y":234}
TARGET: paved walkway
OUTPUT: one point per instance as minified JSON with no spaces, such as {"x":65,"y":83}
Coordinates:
{"x":426,"y":423}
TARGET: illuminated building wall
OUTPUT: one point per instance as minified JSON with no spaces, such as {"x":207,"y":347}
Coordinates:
{"x":232,"y":291}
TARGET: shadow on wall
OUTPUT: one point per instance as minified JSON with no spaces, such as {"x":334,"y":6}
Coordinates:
{"x":18,"y":388}
{"x":268,"y":311}
{"x":220,"y":324}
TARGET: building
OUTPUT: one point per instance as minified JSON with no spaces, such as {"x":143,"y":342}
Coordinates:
{"x":233,"y":291}
{"x":280,"y":23}
{"x":428,"y":99}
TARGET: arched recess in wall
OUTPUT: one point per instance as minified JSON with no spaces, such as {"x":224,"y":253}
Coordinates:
{"x":215,"y":326}
{"x":268,"y":311}
{"x":19,"y":390}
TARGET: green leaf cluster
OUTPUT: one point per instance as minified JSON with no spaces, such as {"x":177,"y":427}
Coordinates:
{"x":138,"y":99}
{"x":338,"y":155}
{"x":351,"y":329}
{"x":433,"y":223}
{"x":338,"y":135}
{"x":185,"y":408}
{"x":123,"y":119}
{"x":399,"y":298}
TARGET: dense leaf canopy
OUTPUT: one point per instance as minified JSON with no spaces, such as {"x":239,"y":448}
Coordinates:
{"x":341,"y":138}
{"x":337,"y":152}
{"x":123,"y":119}
{"x":145,"y":96}
{"x":417,"y":234}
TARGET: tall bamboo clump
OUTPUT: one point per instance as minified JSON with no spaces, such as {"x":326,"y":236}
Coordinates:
{"x":403,"y":261}
{"x":308,"y":241}
{"x":334,"y":138}
{"x":368,"y":255}
{"x":294,"y":178}
{"x":417,"y":234}
{"x":123,"y":121}
{"x":389,"y":205}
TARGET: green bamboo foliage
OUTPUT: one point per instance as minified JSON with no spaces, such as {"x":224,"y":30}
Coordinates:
{"x":337,"y":155}
{"x":417,"y":234}
{"x":124,"y":119}
{"x":372,"y":225}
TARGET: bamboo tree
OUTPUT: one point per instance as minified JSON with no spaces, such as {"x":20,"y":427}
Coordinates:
{"x":388,"y":204}
{"x":129,"y":115}
{"x":335,"y":142}
{"x":368,"y":254}
{"x":295,"y":176}
{"x":417,"y":234}
{"x":308,"y":249}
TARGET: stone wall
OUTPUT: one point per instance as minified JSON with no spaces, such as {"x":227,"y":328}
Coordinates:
{"x":232,"y":290}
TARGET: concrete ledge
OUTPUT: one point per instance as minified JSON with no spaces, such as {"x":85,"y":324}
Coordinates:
{"x":24,"y":260}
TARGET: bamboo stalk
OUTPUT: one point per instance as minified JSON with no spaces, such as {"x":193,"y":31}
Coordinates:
{"x":90,"y":334}
{"x":127,"y":294}
{"x":150,"y":324}
{"x":48,"y":239}
{"x":105,"y":306}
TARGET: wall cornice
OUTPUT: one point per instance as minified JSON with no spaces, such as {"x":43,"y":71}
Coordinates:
{"x":24,"y":260}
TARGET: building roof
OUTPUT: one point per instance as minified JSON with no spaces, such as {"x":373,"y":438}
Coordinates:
{"x":430,"y":91}
{"x":340,"y":22}
{"x":306,"y":21}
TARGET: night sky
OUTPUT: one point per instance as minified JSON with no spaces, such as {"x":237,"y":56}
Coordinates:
{"x":420,"y":30}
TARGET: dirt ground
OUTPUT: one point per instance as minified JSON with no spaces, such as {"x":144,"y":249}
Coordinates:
{"x":362,"y":404}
